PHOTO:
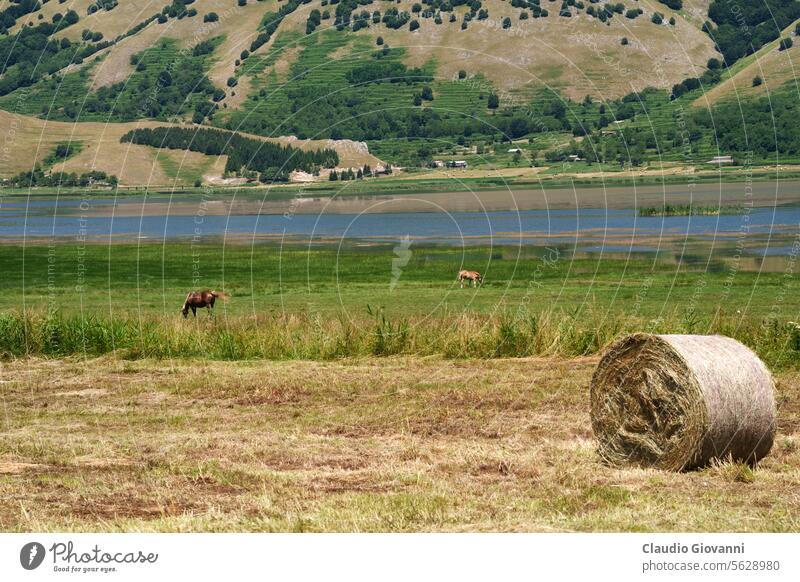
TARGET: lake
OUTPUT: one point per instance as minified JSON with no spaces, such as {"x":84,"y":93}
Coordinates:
{"x":590,"y":227}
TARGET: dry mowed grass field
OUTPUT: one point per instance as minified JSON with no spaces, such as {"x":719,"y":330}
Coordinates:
{"x":387,"y":444}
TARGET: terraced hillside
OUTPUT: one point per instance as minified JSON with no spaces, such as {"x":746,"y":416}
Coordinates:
{"x":580,"y":53}
{"x":412,"y":80}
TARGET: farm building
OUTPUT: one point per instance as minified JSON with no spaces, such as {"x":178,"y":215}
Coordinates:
{"x":721,"y":160}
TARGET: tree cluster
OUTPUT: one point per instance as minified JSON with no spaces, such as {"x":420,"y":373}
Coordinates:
{"x":244,"y":154}
{"x":744,"y":26}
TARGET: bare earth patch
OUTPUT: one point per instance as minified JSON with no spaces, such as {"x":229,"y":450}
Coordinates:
{"x":393,"y":444}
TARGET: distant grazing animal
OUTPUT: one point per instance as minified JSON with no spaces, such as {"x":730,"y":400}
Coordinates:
{"x":200,"y":299}
{"x":472,"y":278}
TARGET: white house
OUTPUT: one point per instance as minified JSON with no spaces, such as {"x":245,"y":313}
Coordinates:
{"x":721,"y":160}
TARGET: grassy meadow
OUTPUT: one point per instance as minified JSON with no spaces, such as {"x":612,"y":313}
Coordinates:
{"x":358,"y":388}
{"x":328,"y":302}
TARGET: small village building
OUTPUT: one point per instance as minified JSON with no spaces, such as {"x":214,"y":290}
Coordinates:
{"x":721,"y":160}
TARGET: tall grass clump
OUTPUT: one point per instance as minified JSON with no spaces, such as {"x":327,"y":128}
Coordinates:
{"x":690,"y":210}
{"x":505,"y":334}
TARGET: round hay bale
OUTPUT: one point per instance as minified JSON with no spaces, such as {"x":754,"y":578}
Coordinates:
{"x":676,"y":402}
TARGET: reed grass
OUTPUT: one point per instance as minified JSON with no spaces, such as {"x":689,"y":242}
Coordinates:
{"x":317,"y":337}
{"x":690,"y":210}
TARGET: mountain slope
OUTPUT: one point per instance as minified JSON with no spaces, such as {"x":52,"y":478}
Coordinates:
{"x":579,"y":54}
{"x":775,"y":67}
{"x":101,"y":149}
{"x":411,"y":79}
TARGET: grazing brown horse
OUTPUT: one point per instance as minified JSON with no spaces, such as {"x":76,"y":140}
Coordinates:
{"x":200,"y":299}
{"x":472,"y":277}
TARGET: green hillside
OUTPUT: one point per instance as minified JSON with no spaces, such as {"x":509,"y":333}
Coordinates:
{"x":611,"y":83}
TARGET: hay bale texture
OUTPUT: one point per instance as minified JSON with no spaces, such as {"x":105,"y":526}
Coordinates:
{"x":676,"y":402}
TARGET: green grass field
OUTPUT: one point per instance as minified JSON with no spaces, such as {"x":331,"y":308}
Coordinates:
{"x":326,"y":302}
{"x":151,"y":277}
